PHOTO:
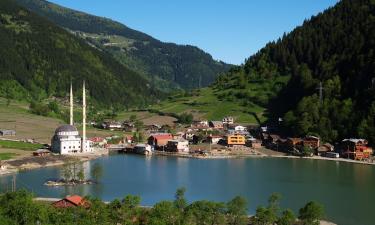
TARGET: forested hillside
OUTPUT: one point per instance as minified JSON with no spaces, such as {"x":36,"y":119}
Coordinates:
{"x":38,"y":59}
{"x":167,"y":65}
{"x":336,"y":48}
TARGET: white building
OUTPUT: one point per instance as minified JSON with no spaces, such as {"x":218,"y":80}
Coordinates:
{"x":178,"y":145}
{"x":240,"y":128}
{"x":66,"y":139}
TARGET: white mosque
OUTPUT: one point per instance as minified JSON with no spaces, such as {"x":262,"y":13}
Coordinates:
{"x":66,"y":139}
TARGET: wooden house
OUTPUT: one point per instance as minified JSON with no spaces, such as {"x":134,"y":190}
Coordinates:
{"x":312,"y":142}
{"x":356,"y":149}
{"x":216,"y":124}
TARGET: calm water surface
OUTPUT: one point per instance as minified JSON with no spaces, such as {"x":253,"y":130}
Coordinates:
{"x":346,"y":190}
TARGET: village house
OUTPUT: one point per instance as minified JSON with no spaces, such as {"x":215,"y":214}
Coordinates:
{"x":235,"y":139}
{"x":200,"y":125}
{"x":189,"y":136}
{"x":7,"y":133}
{"x":72,"y":201}
{"x":98,"y":141}
{"x":112,"y":125}
{"x":228,"y":120}
{"x":216,"y":124}
{"x":356,"y":149}
{"x":159,"y":139}
{"x":153,"y":128}
{"x":323,"y":149}
{"x":270,"y":140}
{"x":128,"y":127}
{"x":180,"y":145}
{"x":294,"y":143}
{"x":41,"y":152}
{"x":214,"y":139}
{"x":128,"y":139}
{"x":311,"y":141}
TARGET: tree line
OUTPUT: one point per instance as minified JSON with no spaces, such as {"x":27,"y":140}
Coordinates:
{"x":20,"y":208}
{"x":333,"y":51}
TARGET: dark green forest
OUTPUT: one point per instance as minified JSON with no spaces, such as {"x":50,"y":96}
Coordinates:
{"x":39,"y":59}
{"x":336,"y":48}
{"x":167,"y":65}
{"x":19,"y":208}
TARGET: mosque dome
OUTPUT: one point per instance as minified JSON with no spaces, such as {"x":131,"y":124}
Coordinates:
{"x":66,"y":130}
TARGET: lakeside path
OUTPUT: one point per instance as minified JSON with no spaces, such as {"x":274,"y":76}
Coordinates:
{"x":33,"y":162}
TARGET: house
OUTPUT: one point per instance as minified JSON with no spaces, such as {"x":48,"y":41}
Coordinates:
{"x":356,"y":149}
{"x":323,"y":149}
{"x":189,"y":136}
{"x":112,"y":125}
{"x":98,"y":141}
{"x":214,"y":139}
{"x":143,"y":149}
{"x":180,"y":145}
{"x":159,"y":139}
{"x":235,"y":139}
{"x":228,"y":120}
{"x":216,"y":124}
{"x":41,"y":152}
{"x":153,"y":128}
{"x":72,"y":201}
{"x":200,"y":125}
{"x":293,"y":143}
{"x":7,"y":133}
{"x":311,"y":141}
{"x":240,"y":128}
{"x":254,"y":143}
{"x":128,"y":127}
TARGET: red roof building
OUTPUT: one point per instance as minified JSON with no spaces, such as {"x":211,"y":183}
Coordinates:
{"x":160,"y":139}
{"x":71,"y":201}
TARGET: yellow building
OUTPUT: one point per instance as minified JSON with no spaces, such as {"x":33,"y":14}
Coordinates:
{"x":236,"y":139}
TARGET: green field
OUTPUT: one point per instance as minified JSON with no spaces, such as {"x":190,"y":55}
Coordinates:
{"x":206,"y":105}
{"x":19,"y":145}
{"x":6,"y":156}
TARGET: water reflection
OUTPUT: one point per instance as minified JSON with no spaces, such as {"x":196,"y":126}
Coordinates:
{"x":157,"y":178}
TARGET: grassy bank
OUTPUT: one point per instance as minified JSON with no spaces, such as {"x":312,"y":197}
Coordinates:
{"x":7,"y":155}
{"x":19,"y":145}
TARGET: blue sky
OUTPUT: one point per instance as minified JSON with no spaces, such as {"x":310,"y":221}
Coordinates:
{"x":230,"y":30}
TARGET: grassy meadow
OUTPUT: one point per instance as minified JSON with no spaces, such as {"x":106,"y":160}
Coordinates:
{"x":205,"y":104}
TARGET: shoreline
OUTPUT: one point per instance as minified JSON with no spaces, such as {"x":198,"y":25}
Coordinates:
{"x":91,"y":156}
{"x":59,"y":160}
{"x":260,"y":155}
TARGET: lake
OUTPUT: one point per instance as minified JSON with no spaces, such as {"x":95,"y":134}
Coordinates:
{"x":346,"y":190}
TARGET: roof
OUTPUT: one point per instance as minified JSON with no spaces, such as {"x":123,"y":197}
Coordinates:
{"x":162,"y":136}
{"x":96,"y":139}
{"x":66,"y":128}
{"x":217,"y":123}
{"x":41,"y":150}
{"x":75,"y":199}
{"x":355,"y":140}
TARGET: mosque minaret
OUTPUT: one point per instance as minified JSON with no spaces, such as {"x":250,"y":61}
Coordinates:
{"x":66,"y":139}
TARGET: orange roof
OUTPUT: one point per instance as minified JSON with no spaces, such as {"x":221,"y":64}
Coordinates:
{"x":162,"y":136}
{"x":75,"y":199}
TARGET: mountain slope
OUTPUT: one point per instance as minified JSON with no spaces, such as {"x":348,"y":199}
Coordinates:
{"x":166,"y":64}
{"x":38,"y":59}
{"x":337,"y":48}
